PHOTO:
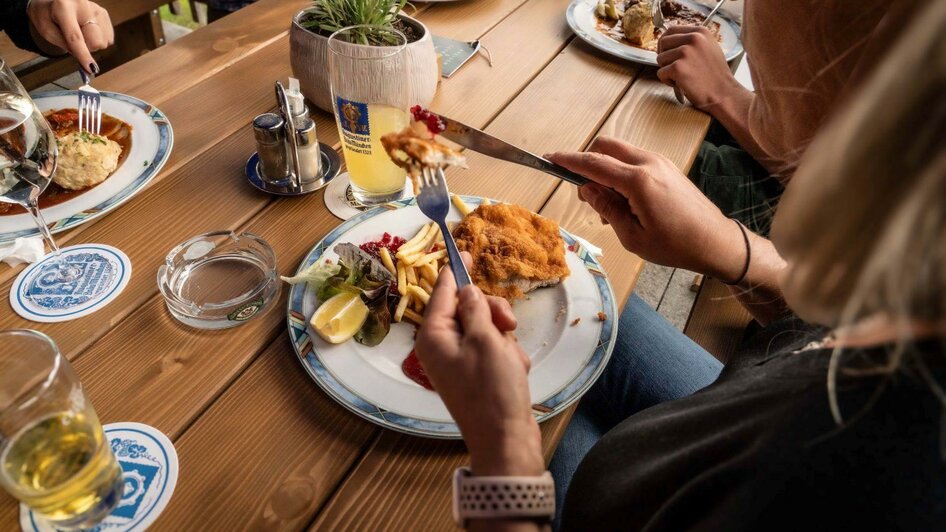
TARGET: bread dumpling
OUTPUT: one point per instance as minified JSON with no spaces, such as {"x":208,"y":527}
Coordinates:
{"x":639,"y":23}
{"x":85,"y":160}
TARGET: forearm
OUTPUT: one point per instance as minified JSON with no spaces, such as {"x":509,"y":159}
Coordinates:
{"x":760,"y":292}
{"x":732,"y":111}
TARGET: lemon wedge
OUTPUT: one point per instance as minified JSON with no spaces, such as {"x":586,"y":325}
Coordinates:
{"x":340,"y":317}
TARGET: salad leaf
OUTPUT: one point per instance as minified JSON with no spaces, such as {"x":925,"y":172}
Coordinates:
{"x":378,"y":324}
{"x":361,"y":273}
{"x":315,"y":275}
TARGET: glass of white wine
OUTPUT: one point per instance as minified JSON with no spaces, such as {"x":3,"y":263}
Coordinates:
{"x":28,"y":154}
{"x":371,"y":97}
{"x":54,"y":456}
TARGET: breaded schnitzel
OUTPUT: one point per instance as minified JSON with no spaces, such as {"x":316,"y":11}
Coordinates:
{"x":514,"y":251}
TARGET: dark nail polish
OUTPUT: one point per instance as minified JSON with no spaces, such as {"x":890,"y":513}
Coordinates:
{"x":94,"y":68}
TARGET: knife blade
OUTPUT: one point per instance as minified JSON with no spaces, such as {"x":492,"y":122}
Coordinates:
{"x":480,"y":142}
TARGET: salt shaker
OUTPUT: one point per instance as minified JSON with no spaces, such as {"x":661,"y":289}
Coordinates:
{"x":269,"y":130}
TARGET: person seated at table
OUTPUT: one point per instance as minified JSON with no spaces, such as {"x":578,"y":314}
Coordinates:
{"x":807,"y":58}
{"x":831,"y":418}
{"x":55,"y":27}
{"x":217,"y":9}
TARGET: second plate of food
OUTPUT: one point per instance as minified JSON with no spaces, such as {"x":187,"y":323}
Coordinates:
{"x":94,"y":175}
{"x":567,"y":330}
{"x":601,"y":23}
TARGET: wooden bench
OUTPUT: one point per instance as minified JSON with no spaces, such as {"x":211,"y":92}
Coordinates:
{"x":717,"y":320}
{"x":137,"y":30}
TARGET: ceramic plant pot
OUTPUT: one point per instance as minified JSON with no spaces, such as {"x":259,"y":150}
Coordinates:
{"x":308,"y":55}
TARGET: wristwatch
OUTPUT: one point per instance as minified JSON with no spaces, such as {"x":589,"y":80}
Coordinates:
{"x":502,"y":497}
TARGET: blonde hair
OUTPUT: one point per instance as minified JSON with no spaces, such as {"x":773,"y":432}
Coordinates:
{"x":863,"y":224}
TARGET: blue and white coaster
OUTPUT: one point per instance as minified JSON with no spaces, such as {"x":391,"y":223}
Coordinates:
{"x":41,"y":294}
{"x":149,"y":463}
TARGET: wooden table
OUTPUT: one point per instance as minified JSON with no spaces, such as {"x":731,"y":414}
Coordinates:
{"x":260,"y":445}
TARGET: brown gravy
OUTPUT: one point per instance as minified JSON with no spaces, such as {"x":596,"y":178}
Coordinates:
{"x":64,"y":122}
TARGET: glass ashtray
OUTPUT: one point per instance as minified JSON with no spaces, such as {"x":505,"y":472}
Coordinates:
{"x":219,"y":280}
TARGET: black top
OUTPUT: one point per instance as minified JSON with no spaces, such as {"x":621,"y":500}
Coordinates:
{"x":759,"y":450}
{"x":14,"y":21}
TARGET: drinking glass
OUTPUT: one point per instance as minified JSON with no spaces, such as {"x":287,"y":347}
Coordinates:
{"x":371,"y":97}
{"x":28,"y":155}
{"x":54,"y":456}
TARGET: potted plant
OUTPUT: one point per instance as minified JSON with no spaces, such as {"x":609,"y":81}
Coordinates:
{"x":311,"y":28}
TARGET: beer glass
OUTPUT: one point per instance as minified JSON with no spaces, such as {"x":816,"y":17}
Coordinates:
{"x":370,"y":96}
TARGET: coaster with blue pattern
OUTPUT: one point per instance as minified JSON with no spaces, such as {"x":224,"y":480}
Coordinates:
{"x":40,"y":293}
{"x":149,"y":465}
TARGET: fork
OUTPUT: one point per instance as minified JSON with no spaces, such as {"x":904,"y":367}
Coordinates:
{"x":661,"y":24}
{"x":433,"y":198}
{"x":90,"y":106}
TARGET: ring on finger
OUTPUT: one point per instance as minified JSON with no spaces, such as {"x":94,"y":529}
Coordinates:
{"x":88,"y":22}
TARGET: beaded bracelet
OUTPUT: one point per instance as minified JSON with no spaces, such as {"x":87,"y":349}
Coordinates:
{"x":745,"y":268}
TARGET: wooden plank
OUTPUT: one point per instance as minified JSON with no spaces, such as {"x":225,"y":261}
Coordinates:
{"x":473,"y":90}
{"x":15,"y":57}
{"x":677,"y":302}
{"x":650,"y":118}
{"x":403,"y":483}
{"x":264,"y":477}
{"x":419,"y":499}
{"x":560,"y":109}
{"x":717,"y":321}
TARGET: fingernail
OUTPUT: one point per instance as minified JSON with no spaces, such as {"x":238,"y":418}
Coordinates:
{"x":94,"y":68}
{"x":548,"y":156}
{"x":470,"y":293}
{"x":589,"y":192}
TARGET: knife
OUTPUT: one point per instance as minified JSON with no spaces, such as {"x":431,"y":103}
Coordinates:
{"x":484,"y":143}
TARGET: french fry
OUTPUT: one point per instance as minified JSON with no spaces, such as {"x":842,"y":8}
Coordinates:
{"x":419,"y":242}
{"x":416,"y":303}
{"x":386,"y":260}
{"x":460,"y":205}
{"x":414,"y":317}
{"x":430,"y":257}
{"x":426,"y":286}
{"x":416,"y":238}
{"x":410,"y":274}
{"x":486,"y":201}
{"x":419,"y":293}
{"x":402,"y":306}
{"x":428,"y":271}
{"x":401,"y":279}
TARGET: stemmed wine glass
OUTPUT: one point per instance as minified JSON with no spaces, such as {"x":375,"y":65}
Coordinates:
{"x":28,"y":155}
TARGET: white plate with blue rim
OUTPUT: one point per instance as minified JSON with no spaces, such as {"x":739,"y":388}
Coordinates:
{"x":582,"y":20}
{"x":151,"y":142}
{"x":559,"y":328}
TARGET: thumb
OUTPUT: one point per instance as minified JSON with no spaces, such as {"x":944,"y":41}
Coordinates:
{"x":610,"y":205}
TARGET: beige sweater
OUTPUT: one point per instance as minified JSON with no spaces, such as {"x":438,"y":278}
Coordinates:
{"x":808,"y":57}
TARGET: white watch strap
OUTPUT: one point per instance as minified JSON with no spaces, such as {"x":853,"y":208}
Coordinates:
{"x":502,"y":497}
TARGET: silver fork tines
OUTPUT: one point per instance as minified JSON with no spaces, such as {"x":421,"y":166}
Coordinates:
{"x":90,"y":106}
{"x":433,"y":198}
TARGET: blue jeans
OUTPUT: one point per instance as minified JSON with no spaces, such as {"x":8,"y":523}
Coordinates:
{"x":652,"y":362}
